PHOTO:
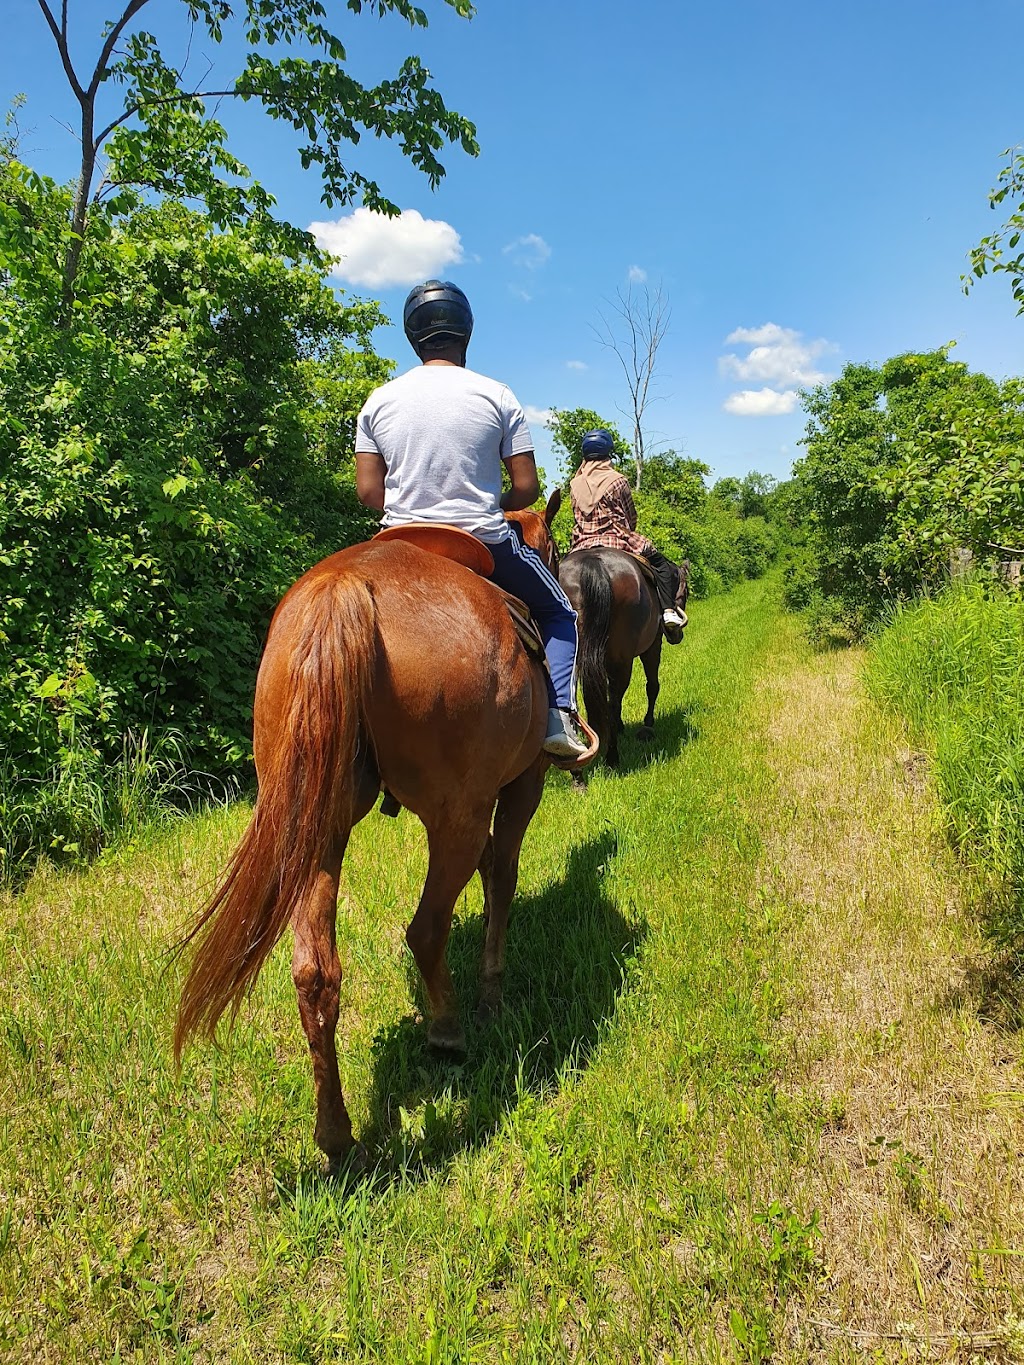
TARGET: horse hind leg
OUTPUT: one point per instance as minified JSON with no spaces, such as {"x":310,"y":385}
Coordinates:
{"x":618,"y":682}
{"x":499,"y":871}
{"x":651,"y":660}
{"x":456,"y":849}
{"x":316,"y":971}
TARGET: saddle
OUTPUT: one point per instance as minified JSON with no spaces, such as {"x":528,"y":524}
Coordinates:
{"x":465,"y":549}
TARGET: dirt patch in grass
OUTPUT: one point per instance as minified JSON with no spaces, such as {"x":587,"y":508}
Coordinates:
{"x":918,"y":1173}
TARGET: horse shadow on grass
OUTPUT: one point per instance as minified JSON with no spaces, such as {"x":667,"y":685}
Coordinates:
{"x":566,"y":958}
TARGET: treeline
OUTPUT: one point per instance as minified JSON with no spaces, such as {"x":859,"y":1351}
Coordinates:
{"x":914,"y":469}
{"x":729,"y":530}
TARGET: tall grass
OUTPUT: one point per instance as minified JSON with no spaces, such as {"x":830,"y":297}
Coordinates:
{"x":86,"y":802}
{"x":953,"y":667}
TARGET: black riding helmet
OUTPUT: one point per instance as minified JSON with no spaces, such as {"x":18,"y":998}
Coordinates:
{"x":438,"y":312}
{"x":597,"y":445}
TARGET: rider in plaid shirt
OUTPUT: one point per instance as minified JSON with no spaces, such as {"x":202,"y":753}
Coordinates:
{"x":604,"y":514}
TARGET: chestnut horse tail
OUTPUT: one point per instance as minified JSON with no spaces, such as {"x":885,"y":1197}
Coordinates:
{"x":305,"y":801}
{"x":595,"y":589}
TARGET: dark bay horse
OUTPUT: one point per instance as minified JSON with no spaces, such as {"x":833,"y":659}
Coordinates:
{"x":385,"y":665}
{"x":619,"y":620}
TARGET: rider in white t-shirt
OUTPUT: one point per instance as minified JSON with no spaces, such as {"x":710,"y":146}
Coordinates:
{"x":430,"y":446}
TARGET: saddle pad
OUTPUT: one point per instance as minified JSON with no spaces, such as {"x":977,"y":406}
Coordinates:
{"x":448,"y":541}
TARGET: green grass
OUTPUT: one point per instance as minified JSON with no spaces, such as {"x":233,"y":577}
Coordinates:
{"x":613,"y":1175}
{"x":953,"y":668}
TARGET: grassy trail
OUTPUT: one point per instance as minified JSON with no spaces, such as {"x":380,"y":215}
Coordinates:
{"x":749,"y":1097}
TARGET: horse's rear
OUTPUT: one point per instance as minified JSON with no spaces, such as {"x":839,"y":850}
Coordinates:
{"x":619,"y":620}
{"x":384,"y":665}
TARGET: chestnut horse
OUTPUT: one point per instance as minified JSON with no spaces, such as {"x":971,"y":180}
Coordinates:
{"x":619,"y":620}
{"x":385,"y":665}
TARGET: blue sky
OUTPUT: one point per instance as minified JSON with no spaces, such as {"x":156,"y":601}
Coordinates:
{"x":803,"y":180}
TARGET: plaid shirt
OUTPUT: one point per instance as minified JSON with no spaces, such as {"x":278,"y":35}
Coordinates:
{"x":611,"y":522}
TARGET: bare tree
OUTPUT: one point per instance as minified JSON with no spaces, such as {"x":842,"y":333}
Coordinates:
{"x":634,"y":328}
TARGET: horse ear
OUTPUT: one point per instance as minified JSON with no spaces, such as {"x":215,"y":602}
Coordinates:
{"x":554,"y":503}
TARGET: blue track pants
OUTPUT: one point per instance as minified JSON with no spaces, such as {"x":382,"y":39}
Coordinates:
{"x":522,"y":572}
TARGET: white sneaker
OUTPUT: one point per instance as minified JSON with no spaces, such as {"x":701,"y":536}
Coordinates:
{"x":562,"y":740}
{"x":672,"y":618}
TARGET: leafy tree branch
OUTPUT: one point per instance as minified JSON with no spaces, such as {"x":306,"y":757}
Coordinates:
{"x":991,"y":253}
{"x":164,"y":138}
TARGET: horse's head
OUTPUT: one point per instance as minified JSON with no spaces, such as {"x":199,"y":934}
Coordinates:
{"x":535,"y":530}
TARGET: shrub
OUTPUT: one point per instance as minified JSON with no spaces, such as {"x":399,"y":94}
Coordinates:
{"x":905,"y":461}
{"x":168,"y":466}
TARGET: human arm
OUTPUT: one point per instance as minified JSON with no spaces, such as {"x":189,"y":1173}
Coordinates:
{"x":525,"y":490}
{"x":370,"y":472}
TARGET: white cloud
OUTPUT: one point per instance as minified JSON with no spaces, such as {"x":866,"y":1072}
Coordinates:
{"x":575,"y":364}
{"x":379,"y":252}
{"x":636,"y":274}
{"x":761,"y":402}
{"x":530,"y":251}
{"x":538,"y":417}
{"x":518,"y":292}
{"x":778,"y":356}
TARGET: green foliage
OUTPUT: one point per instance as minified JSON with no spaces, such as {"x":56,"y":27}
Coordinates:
{"x":953,"y":667}
{"x":684,"y":521}
{"x":904,"y":462}
{"x":1001,"y":250}
{"x":167,"y":468}
{"x":750,"y":496}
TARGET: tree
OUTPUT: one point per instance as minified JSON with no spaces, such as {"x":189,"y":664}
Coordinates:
{"x":728,"y":491}
{"x":634,"y":332}
{"x":989,"y":254}
{"x":677,"y":481}
{"x":159,"y":135}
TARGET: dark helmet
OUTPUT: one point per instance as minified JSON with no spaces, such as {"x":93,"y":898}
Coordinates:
{"x":437,"y":311}
{"x":598,"y":445}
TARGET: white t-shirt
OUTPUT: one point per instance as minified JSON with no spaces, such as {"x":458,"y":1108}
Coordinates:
{"x":443,"y":432}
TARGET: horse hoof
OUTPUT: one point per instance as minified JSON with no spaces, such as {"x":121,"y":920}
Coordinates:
{"x":645,"y":732}
{"x":352,"y":1162}
{"x":448,"y":1040}
{"x":489,"y":1008}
